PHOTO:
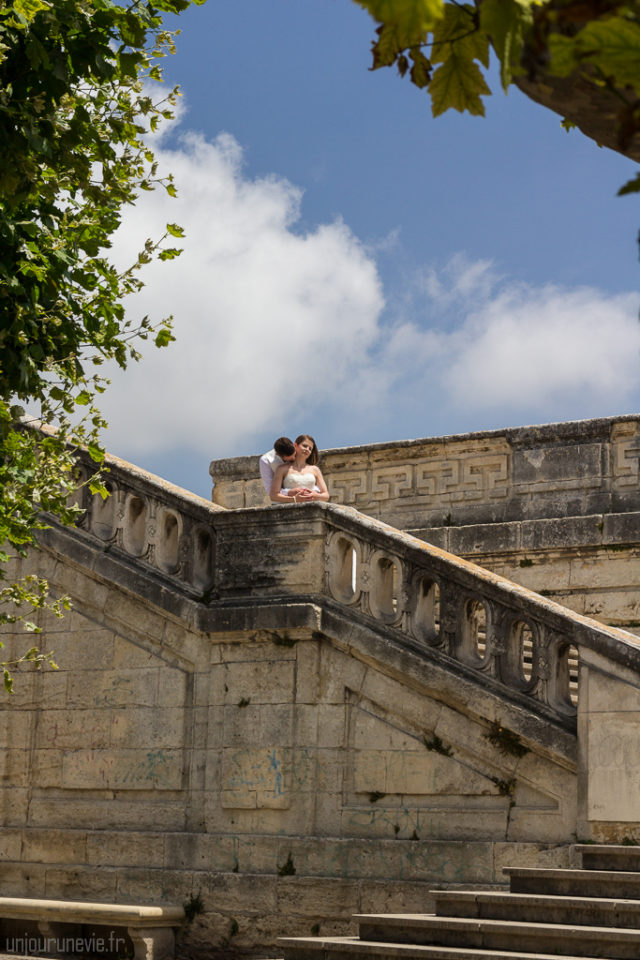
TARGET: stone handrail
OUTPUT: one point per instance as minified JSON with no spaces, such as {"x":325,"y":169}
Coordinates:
{"x":501,"y":634}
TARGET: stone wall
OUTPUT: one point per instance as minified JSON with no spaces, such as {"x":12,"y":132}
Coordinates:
{"x":295,"y":714}
{"x":280,"y":774}
{"x":554,"y":507}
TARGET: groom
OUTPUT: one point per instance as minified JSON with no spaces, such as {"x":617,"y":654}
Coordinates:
{"x":283,"y":452}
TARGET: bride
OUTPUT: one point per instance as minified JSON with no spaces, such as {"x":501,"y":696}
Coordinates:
{"x":301,"y":480}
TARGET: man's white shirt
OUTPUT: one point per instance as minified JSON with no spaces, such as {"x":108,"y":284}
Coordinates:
{"x":269,"y":463}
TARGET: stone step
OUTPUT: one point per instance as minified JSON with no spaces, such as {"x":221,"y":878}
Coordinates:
{"x":611,"y":884}
{"x":506,"y":935}
{"x":537,"y":908}
{"x":601,"y":856}
{"x":345,"y":948}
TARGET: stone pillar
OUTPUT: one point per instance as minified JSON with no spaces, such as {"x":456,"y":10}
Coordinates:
{"x":608,"y":750}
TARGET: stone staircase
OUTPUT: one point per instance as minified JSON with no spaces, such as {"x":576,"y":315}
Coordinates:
{"x":589,"y":912}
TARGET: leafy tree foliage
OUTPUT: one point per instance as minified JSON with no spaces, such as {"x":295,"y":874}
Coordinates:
{"x":443,"y":46}
{"x":74,"y":111}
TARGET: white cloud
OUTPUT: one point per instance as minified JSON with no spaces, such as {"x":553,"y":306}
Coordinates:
{"x":545,"y":347}
{"x":273,"y":325}
{"x":497,"y":345}
{"x":266,"y":320}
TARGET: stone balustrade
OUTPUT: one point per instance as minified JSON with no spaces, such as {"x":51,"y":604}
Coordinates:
{"x":153,"y":522}
{"x":506,"y":637}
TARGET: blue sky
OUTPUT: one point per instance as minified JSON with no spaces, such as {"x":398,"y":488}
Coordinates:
{"x":358,"y":270}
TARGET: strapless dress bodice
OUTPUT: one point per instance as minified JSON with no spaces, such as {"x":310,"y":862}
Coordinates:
{"x":293,"y":479}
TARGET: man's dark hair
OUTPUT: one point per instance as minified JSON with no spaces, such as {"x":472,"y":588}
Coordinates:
{"x":284,"y":447}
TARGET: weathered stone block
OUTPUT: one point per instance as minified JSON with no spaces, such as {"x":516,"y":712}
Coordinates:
{"x":63,"y":729}
{"x":46,"y":768}
{"x":19,"y":882}
{"x":252,"y":682}
{"x":190,"y":647}
{"x":135,"y":885}
{"x":14,"y":800}
{"x":53,"y":689}
{"x":259,"y":854}
{"x":484,"y":538}
{"x":55,"y":846}
{"x":308,"y":672}
{"x":560,"y":532}
{"x":101,"y":813}
{"x":152,"y":728}
{"x":306,"y":725}
{"x":256,"y":777}
{"x":258,"y":725}
{"x":122,"y":769}
{"x":250,"y":895}
{"x":419,"y":712}
{"x":337,"y":673}
{"x":111,"y":849}
{"x":260,"y":649}
{"x":130,"y":655}
{"x":85,"y":647}
{"x":532,"y":855}
{"x":16,"y":728}
{"x":122,"y":609}
{"x":113,"y":689}
{"x":10,"y":844}
{"x":621,"y":569}
{"x":310,"y":897}
{"x":79,"y":884}
{"x":395,"y":897}
{"x":558,"y":465}
{"x":14,"y":768}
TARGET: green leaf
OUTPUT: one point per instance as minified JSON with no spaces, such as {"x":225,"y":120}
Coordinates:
{"x":164,"y":337}
{"x":30,"y":8}
{"x":563,"y":54}
{"x":613,"y":45}
{"x":631,"y":186}
{"x":506,"y":22}
{"x":175,"y":230}
{"x":99,"y":488}
{"x":403,"y":24}
{"x":170,"y":253}
{"x":457,"y":34}
{"x":96,"y":453}
{"x":421,"y":69}
{"x":458,"y":84}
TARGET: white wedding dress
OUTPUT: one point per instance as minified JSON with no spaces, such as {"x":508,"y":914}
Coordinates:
{"x":293,"y":479}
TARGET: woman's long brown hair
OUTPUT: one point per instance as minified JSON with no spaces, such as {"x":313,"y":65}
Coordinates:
{"x":314,"y":457}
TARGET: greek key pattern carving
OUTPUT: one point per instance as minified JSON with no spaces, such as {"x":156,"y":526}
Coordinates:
{"x":471,"y":478}
{"x":449,"y":480}
{"x":626,"y":461}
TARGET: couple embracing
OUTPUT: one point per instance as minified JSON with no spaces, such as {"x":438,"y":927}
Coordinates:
{"x":290,"y":472}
